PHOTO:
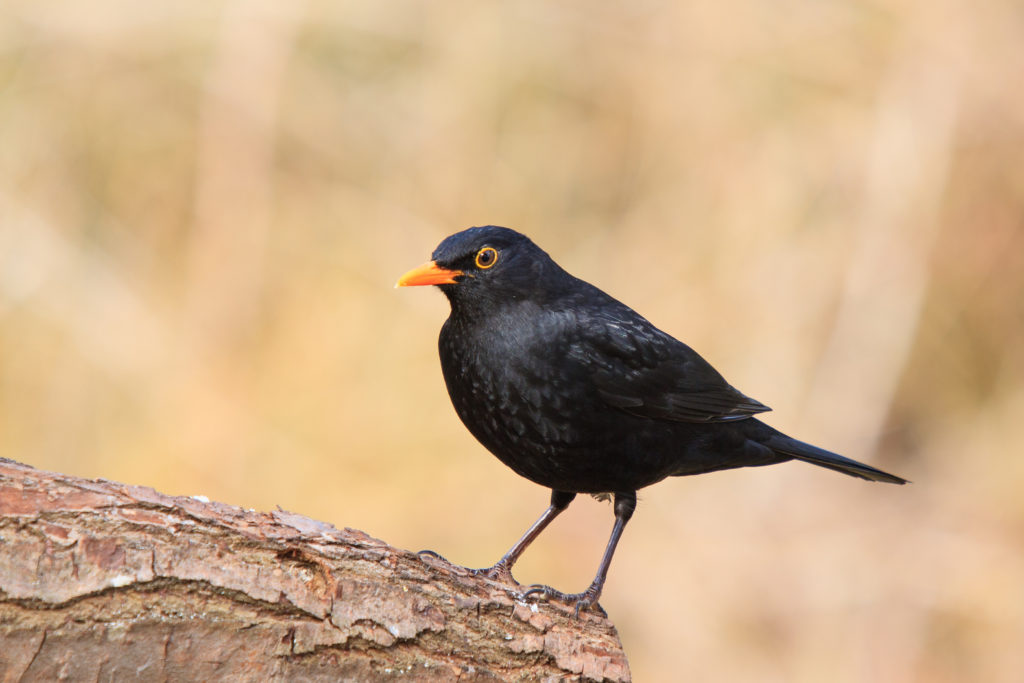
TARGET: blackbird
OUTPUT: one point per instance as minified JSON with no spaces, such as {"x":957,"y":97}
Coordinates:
{"x":579,"y":393}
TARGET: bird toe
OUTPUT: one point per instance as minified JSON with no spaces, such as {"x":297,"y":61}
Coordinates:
{"x":587,"y":600}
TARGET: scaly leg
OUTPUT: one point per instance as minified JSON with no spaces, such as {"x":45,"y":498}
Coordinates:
{"x":502,"y":570}
{"x":625,"y":504}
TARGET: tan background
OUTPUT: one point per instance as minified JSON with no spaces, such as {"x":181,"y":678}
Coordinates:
{"x":204,"y":206}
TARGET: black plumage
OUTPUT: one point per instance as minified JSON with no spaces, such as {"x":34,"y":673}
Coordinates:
{"x":579,"y":393}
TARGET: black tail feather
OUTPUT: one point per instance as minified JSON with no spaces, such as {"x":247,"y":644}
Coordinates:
{"x":833,"y":461}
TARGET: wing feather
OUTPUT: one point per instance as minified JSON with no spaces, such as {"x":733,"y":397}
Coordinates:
{"x":641,"y":370}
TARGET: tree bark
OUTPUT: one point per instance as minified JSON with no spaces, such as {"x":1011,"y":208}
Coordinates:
{"x":106,"y":581}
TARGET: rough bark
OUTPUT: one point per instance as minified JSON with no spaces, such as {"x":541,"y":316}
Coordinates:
{"x":105,"y":581}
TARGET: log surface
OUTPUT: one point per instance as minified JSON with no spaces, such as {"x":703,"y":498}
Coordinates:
{"x":107,"y":581}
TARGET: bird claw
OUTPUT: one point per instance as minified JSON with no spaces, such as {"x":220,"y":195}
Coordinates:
{"x":430,"y":553}
{"x":424,"y":554}
{"x":583,"y":601}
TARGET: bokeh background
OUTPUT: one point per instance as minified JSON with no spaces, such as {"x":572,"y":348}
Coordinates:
{"x":204,"y":207}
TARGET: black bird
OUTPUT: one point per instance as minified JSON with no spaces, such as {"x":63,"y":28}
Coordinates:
{"x":579,"y":393}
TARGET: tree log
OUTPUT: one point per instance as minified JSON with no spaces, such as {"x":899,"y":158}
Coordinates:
{"x":106,"y":581}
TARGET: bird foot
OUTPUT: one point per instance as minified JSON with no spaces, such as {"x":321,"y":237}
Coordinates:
{"x":499,"y":572}
{"x":423,"y":554}
{"x":430,"y":553}
{"x":583,"y":601}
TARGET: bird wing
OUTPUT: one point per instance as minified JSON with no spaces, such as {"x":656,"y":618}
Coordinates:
{"x":643,"y":371}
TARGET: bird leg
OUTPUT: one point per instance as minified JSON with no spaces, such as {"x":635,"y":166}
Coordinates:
{"x":502,"y":569}
{"x":625,"y":504}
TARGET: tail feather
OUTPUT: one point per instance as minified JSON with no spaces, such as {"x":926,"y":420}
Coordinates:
{"x":833,"y":461}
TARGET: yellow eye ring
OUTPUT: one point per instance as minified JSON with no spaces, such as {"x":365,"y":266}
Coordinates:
{"x":486,"y":257}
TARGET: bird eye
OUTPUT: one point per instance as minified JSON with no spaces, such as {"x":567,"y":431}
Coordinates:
{"x":486,"y":257}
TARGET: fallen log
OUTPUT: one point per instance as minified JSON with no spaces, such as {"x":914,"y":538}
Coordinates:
{"x":107,"y":581}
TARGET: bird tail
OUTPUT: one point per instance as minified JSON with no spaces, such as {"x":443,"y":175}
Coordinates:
{"x":833,"y":461}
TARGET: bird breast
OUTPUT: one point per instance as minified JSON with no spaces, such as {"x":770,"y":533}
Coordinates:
{"x":510,"y":383}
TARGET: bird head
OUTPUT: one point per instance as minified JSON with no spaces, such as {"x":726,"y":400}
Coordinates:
{"x":486,"y":265}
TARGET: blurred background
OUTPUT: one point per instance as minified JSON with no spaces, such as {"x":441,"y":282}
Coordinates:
{"x":204,"y":207}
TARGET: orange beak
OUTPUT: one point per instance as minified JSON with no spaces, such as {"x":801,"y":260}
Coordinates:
{"x":428,"y":274}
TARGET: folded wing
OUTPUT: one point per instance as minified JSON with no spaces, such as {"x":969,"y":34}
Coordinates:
{"x":643,"y":371}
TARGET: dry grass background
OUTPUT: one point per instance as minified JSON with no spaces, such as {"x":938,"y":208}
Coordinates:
{"x":204,"y":206}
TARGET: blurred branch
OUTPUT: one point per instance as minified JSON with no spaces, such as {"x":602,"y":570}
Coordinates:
{"x":234,"y":191}
{"x":888,"y":273}
{"x":103,"y":580}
